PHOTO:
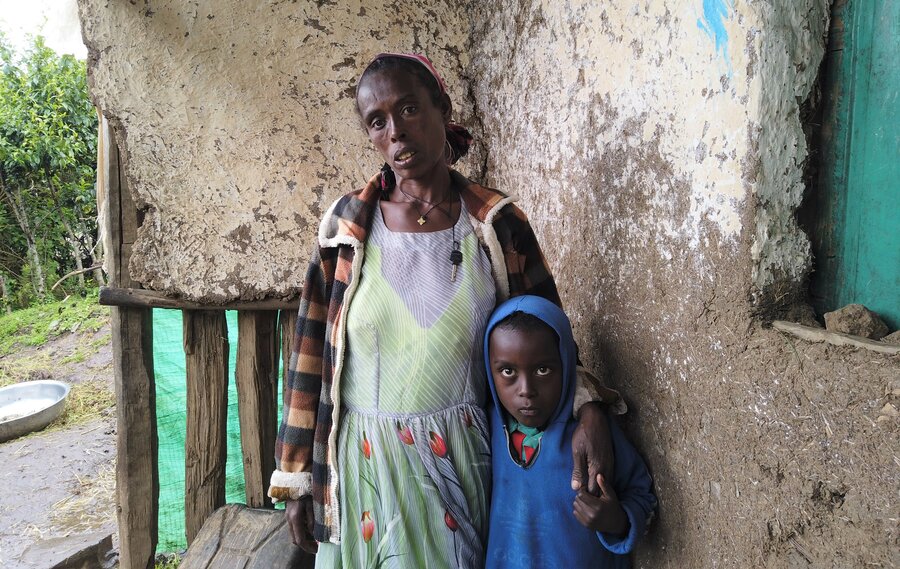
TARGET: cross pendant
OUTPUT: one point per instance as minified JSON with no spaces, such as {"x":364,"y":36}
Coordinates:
{"x":421,"y":220}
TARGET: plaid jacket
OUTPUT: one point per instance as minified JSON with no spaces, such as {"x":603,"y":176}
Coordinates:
{"x":304,"y":454}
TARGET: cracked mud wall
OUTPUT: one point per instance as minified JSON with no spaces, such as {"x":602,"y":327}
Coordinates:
{"x":239,"y":127}
{"x":658,"y":150}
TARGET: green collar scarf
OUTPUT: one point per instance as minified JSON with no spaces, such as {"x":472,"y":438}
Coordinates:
{"x":532,"y":435}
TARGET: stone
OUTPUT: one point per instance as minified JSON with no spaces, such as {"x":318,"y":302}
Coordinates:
{"x":75,"y":551}
{"x":888,"y":413}
{"x":238,"y":536}
{"x":892,"y":338}
{"x":802,"y":313}
{"x":857,"y":320}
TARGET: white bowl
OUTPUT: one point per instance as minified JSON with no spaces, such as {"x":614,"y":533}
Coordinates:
{"x":30,"y":406}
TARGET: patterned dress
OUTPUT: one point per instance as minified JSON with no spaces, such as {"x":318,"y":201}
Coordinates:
{"x":413,"y":449}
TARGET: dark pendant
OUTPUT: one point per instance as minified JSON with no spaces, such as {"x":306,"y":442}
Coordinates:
{"x":455,"y":260}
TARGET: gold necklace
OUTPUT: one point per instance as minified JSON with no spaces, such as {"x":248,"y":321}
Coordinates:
{"x":423,"y":216}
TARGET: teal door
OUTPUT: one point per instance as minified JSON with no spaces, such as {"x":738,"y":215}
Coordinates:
{"x":857,"y":234}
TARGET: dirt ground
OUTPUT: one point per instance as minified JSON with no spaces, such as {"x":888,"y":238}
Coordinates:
{"x":58,"y":485}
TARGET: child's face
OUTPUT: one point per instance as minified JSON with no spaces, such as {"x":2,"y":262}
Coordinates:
{"x":527,"y":373}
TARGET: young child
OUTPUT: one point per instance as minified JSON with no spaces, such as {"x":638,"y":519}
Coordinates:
{"x":530,"y":357}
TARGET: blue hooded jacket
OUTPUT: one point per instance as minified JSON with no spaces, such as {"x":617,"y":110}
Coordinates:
{"x":532,"y":524}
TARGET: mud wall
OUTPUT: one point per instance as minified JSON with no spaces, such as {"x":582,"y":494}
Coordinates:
{"x":239,"y":126}
{"x":658,"y":150}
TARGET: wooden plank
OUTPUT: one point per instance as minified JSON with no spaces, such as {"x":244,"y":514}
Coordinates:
{"x":111,"y":296}
{"x":206,"y":355}
{"x":109,"y":200}
{"x":137,"y":474}
{"x":256,"y":376}
{"x":288,"y":323}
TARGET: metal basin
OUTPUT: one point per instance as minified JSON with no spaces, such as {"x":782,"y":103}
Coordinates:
{"x":30,"y":406}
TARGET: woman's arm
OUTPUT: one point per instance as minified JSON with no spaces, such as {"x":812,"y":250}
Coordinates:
{"x":528,"y":273}
{"x":594,"y":402}
{"x":292,"y":480}
{"x":293,"y":448}
{"x":592,"y":450}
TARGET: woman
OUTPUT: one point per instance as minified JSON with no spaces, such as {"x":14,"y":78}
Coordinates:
{"x":383,"y":452}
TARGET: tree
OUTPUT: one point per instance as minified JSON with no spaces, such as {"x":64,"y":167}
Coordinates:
{"x":48,"y":146}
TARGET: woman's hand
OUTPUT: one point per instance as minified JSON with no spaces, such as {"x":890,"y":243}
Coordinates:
{"x":591,"y":449}
{"x":299,"y":514}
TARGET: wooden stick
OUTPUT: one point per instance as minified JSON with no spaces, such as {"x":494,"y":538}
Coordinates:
{"x":256,"y":376}
{"x":207,"y":405}
{"x":139,"y":298}
{"x":838,"y":339}
{"x":74,"y":273}
{"x":137,"y":471}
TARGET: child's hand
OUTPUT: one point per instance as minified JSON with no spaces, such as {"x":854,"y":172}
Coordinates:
{"x":604,"y":513}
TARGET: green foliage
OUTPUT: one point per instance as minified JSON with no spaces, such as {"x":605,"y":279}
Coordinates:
{"x":35,"y":325}
{"x":48,"y":149}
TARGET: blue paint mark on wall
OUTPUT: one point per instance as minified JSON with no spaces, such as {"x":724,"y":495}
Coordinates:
{"x":715,"y":12}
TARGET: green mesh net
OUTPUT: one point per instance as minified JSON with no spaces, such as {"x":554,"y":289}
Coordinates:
{"x":171,"y":408}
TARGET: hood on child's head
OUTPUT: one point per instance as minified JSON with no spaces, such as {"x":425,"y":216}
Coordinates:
{"x":554,"y":317}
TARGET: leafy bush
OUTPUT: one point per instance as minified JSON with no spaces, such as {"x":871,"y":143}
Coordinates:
{"x":48,"y":153}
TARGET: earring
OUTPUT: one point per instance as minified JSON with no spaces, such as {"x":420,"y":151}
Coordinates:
{"x":449,"y":159}
{"x":387,"y":179}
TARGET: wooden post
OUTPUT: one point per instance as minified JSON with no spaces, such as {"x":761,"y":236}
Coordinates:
{"x":288,"y":322}
{"x":257,"y":376}
{"x":137,"y":447}
{"x":206,"y":354}
{"x":137,"y":474}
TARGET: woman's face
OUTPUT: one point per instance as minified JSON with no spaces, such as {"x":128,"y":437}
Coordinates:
{"x":403,"y":123}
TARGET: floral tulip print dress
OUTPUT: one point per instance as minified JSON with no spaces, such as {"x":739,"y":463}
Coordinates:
{"x":413,"y":449}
